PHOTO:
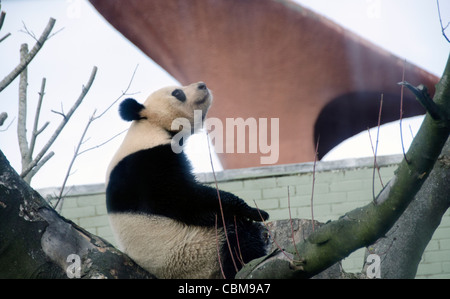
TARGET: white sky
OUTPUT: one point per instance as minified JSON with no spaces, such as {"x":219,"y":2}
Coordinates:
{"x":408,"y":29}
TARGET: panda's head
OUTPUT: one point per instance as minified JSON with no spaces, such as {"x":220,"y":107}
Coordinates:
{"x":161,"y":117}
{"x":167,"y":105}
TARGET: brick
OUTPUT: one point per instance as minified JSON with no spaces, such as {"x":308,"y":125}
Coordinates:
{"x":446,"y":267}
{"x":295,"y":201}
{"x":230,"y":186}
{"x":433,"y":245}
{"x":329,"y":198}
{"x":444,"y":244}
{"x":293,"y":180}
{"x":328,"y":177}
{"x":429,"y":268}
{"x":363,"y":196}
{"x":78,"y":212}
{"x":356,"y":174}
{"x":68,"y":202}
{"x":249,"y":195}
{"x":268,"y":204}
{"x":277,"y":192}
{"x":436,"y":256}
{"x":339,"y":209}
{"x":91,"y":222}
{"x":441,"y":233}
{"x":91,"y":200}
{"x":277,"y":214}
{"x":322,"y":213}
{"x":319,"y":188}
{"x":349,"y":185}
{"x":259,"y":183}
{"x":302,"y":212}
{"x":101,"y":210}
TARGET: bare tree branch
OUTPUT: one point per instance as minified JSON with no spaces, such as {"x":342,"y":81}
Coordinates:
{"x":22,"y":113}
{"x":2,"y":19}
{"x":64,"y":121}
{"x":35,"y":131}
{"x":40,"y":164}
{"x":5,"y":37}
{"x":3,"y":117}
{"x":23,"y":64}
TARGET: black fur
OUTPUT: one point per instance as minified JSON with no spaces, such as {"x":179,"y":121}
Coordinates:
{"x":179,"y":95}
{"x":130,"y":110}
{"x":160,"y":182}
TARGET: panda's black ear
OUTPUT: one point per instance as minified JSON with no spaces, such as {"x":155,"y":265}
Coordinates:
{"x":130,"y":110}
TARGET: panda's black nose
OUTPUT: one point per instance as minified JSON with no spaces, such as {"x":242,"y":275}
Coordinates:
{"x":201,"y":86}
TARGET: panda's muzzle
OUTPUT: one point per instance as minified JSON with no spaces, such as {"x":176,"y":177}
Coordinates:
{"x":202,"y":86}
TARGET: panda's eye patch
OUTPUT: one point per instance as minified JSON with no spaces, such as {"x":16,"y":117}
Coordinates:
{"x":179,"y":95}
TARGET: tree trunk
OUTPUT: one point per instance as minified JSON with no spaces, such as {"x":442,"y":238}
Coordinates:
{"x":401,"y":249}
{"x":36,"y":242}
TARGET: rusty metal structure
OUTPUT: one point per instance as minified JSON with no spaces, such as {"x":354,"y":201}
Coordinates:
{"x":272,"y":59}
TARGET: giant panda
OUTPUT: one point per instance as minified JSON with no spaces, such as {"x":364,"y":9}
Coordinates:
{"x":161,"y":216}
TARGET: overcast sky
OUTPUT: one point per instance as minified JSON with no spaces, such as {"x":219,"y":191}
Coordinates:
{"x":408,"y":29}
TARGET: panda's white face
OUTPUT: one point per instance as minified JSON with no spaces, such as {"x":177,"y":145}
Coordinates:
{"x":167,"y":104}
{"x":152,"y":121}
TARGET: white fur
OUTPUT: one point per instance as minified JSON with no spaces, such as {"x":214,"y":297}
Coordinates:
{"x":168,"y":248}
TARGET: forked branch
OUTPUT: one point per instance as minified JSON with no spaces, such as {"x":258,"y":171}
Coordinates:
{"x":61,"y":126}
{"x":23,"y":64}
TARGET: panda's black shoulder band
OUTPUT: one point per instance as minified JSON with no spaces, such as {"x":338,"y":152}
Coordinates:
{"x":130,"y":110}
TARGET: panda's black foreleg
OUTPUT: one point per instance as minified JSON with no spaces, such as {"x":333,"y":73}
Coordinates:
{"x":236,"y":206}
{"x":246,"y":242}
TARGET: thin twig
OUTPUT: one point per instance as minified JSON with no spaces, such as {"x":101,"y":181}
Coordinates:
{"x":23,"y":64}
{"x":125,"y":92}
{"x":440,"y":21}
{"x":401,"y":112}
{"x":5,"y":37}
{"x":7,"y":127}
{"x":290,"y":220}
{"x":218,"y":250}
{"x":30,"y":33}
{"x":239,"y":253}
{"x":3,"y":117}
{"x":35,"y":131}
{"x":103,"y":143}
{"x":220,"y":206}
{"x":375,"y":161}
{"x":2,"y":19}
{"x":82,"y":140}
{"x":313,"y":182}
{"x":75,"y":155}
{"x":376,"y":148}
